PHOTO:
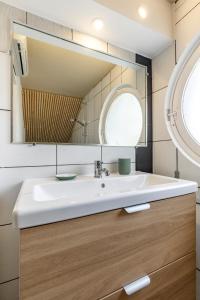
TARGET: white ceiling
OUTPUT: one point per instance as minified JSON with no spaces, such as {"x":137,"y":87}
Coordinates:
{"x":57,"y":70}
{"x":119,"y":29}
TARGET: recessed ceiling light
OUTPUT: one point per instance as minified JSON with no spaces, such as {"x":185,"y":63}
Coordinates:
{"x":142,"y":12}
{"x":98,"y":24}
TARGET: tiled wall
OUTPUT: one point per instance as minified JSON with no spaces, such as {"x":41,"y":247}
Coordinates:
{"x":18,"y":162}
{"x":186,"y":25}
{"x":94,"y":100}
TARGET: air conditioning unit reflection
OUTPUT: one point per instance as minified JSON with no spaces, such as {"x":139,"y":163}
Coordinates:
{"x":20,"y":56}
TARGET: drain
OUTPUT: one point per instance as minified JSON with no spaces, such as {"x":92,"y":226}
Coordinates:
{"x":103,"y":185}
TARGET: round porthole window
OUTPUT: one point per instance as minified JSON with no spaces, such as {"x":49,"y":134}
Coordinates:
{"x":121,"y":118}
{"x":182,"y":106}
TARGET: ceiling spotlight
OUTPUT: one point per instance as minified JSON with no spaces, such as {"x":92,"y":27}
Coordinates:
{"x":142,"y":12}
{"x":98,"y":24}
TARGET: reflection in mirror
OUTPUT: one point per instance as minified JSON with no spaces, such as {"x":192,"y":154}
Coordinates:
{"x":115,"y":129}
{"x":58,"y":94}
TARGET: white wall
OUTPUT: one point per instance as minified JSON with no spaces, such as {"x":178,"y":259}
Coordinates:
{"x":18,"y":162}
{"x":186,"y":25}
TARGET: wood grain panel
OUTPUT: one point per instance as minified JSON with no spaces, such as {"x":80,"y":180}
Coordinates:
{"x":90,"y":257}
{"x":47,"y":116}
{"x":176,"y":281}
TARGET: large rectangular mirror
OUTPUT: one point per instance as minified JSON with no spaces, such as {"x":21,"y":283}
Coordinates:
{"x":67,"y":93}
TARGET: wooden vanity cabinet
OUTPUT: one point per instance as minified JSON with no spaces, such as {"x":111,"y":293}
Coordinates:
{"x":94,"y":257}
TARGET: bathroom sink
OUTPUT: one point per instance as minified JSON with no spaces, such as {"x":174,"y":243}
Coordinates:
{"x":43,"y":201}
{"x":92,"y":190}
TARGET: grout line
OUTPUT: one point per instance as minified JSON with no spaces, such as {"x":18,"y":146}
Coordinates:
{"x":7,"y":281}
{"x":175,"y":52}
{"x":56,"y":159}
{"x":36,"y":166}
{"x":187,"y":13}
{"x":7,"y":224}
{"x":115,"y":162}
{"x":3,"y":109}
{"x":162,"y":88}
{"x":89,"y":164}
{"x":83,"y":164}
{"x":157,"y":141}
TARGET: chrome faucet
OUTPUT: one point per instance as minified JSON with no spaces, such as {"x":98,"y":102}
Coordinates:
{"x":98,"y":170}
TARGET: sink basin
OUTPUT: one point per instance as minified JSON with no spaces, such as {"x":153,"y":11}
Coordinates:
{"x":91,"y":190}
{"x":43,"y":201}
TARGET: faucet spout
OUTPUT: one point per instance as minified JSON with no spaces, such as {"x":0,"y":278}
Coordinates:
{"x":99,"y":170}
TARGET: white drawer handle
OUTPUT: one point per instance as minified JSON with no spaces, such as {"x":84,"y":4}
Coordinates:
{"x":137,"y":285}
{"x":136,"y":208}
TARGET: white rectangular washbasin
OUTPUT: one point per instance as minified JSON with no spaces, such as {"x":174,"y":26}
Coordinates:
{"x":43,"y":201}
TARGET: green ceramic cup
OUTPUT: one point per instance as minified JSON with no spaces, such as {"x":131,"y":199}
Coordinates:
{"x":124,"y":166}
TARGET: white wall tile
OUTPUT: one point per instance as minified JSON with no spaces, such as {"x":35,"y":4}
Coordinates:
{"x":78,"y":169}
{"x":105,"y":93}
{"x":97,"y":106}
{"x":112,"y":154}
{"x":198,"y":285}
{"x":160,"y":131}
{"x":78,"y":154}
{"x":116,"y":72}
{"x":8,"y":14}
{"x":5,"y":81}
{"x":129,"y":77}
{"x":106,"y":80}
{"x":188,"y":170}
{"x":116,"y":82}
{"x":162,"y":67}
{"x":198,"y":236}
{"x":141,"y":82}
{"x":49,"y":26}
{"x":164,"y":158}
{"x":121,"y":53}
{"x":186,"y":29}
{"x":89,"y":41}
{"x":10,"y":290}
{"x":113,"y":167}
{"x":12,"y":155}
{"x":182,"y":9}
{"x":10,"y":183}
{"x":97,"y":89}
{"x":9,"y":253}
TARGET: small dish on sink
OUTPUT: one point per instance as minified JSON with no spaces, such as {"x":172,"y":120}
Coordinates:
{"x":66,"y":176}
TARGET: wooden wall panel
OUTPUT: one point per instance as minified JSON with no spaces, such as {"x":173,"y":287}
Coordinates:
{"x":47,"y":116}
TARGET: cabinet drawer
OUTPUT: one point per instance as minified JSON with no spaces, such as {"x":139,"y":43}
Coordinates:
{"x":90,"y":257}
{"x":176,"y":281}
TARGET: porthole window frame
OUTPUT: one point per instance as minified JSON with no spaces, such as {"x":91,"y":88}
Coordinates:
{"x":114,"y":93}
{"x":174,"y":117}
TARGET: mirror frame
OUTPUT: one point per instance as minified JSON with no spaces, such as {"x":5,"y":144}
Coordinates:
{"x":73,"y":46}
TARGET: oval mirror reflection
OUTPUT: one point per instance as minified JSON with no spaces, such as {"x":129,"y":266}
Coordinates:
{"x":121,"y":119}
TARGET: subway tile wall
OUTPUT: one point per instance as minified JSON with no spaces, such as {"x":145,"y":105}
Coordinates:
{"x":19,"y":162}
{"x":186,"y":26}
